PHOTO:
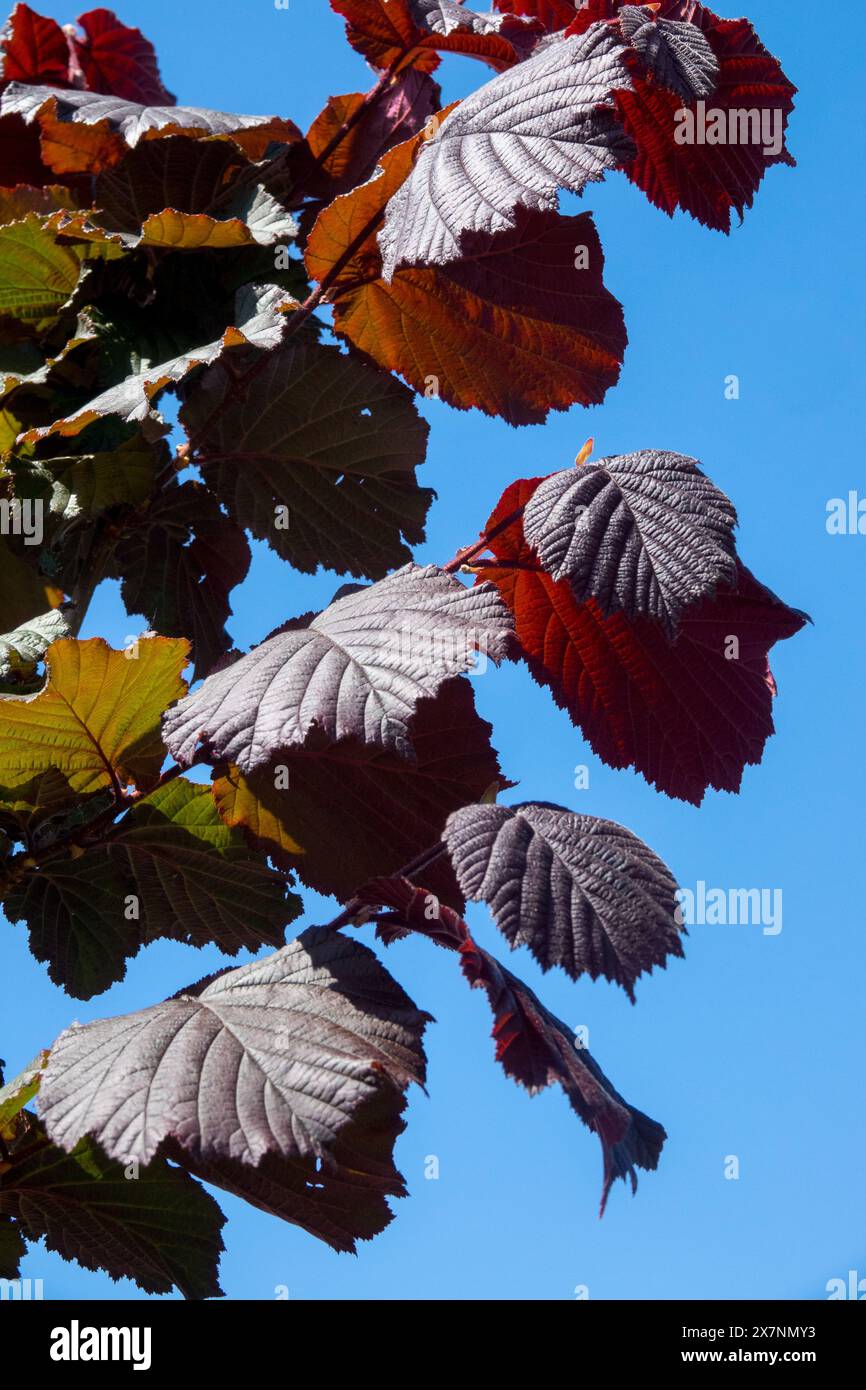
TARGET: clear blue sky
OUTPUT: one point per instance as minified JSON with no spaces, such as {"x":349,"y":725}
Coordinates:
{"x":753,"y":1045}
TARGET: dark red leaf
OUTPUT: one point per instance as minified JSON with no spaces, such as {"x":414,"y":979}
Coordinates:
{"x":553,"y":14}
{"x":119,"y":61}
{"x":534,"y":1047}
{"x":708,"y":181}
{"x":403,"y":33}
{"x":34,"y":50}
{"x":685,"y":714}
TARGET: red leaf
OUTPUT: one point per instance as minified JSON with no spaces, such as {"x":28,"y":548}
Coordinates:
{"x":119,"y":60}
{"x":34,"y":50}
{"x":708,"y":181}
{"x":324,"y":168}
{"x":553,"y":14}
{"x":517,"y":327}
{"x":396,"y":34}
{"x":535,"y":1048}
{"x":684,"y":714}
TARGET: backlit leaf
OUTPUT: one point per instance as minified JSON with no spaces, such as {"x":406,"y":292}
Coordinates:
{"x":709,"y":180}
{"x":118,"y":59}
{"x":97,"y":720}
{"x":689,"y":714}
{"x":398,"y":33}
{"x":521,"y":325}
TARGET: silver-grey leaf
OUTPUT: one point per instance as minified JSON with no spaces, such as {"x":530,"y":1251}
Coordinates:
{"x":644,"y":533}
{"x":276,"y":1057}
{"x":129,"y":118}
{"x":545,"y":124}
{"x":357,"y":670}
{"x":29,"y":642}
{"x":678,"y":55}
{"x":580,"y":892}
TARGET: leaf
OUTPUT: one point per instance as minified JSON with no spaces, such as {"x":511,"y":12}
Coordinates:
{"x":37,"y":273}
{"x":363,"y":132}
{"x":394,"y":33}
{"x":16,"y":203}
{"x":522,"y":325}
{"x":317,"y":457}
{"x":155,"y":1225}
{"x":85,"y":132}
{"x":710,"y":181}
{"x":12,"y":1248}
{"x":677,"y":55}
{"x":688,"y":715}
{"x":169,"y":870}
{"x":580,"y":892}
{"x":21,"y":155}
{"x":548,"y":123}
{"x":277,"y":1057}
{"x":97,"y":720}
{"x":24,"y":593}
{"x":34,"y":49}
{"x":119,"y":60}
{"x":186,"y":193}
{"x":19,"y":1092}
{"x":646,"y":533}
{"x":179,"y":562}
{"x":340,"y":1202}
{"x":397,"y":809}
{"x":553,"y":14}
{"x":535,"y":1047}
{"x":89,"y":483}
{"x":23,"y":649}
{"x":356,"y":671}
{"x":260,"y":323}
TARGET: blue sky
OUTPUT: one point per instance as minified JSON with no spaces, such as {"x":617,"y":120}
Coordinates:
{"x":753,"y":1045}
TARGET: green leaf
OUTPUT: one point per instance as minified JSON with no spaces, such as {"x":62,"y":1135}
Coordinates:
{"x":93,"y":482}
{"x":153,"y":1224}
{"x":97,"y":720}
{"x":19,"y":1091}
{"x":170,"y":869}
{"x":37,"y":273}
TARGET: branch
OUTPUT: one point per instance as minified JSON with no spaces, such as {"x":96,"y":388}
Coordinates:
{"x":415,"y":866}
